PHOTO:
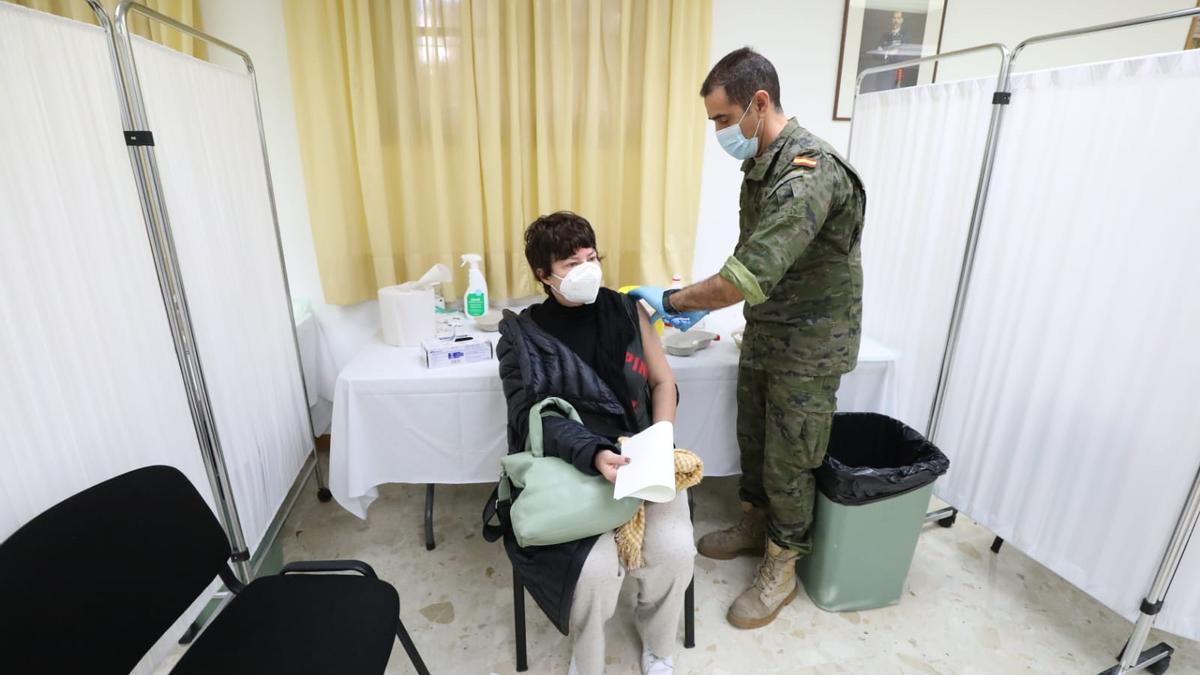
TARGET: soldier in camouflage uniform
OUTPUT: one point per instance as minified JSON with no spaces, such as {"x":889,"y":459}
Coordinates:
{"x":798,"y":266}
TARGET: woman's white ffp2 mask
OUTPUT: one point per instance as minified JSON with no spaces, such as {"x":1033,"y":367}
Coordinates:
{"x":582,"y":283}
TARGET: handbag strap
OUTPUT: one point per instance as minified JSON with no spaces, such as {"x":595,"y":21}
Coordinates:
{"x":496,"y":508}
{"x":500,"y":502}
{"x":547,"y":406}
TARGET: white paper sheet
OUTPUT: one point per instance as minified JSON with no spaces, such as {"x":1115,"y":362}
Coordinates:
{"x":650,"y":473}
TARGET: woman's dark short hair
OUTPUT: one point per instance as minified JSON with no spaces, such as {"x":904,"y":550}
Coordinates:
{"x":556,"y":237}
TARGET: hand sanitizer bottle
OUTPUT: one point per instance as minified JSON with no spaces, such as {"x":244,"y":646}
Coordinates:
{"x":475,"y":300}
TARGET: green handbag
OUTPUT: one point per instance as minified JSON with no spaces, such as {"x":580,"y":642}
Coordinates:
{"x":558,"y":502}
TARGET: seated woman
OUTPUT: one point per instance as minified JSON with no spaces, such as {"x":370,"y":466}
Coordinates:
{"x":594,"y":348}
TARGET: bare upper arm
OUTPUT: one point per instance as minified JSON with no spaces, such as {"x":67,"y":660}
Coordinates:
{"x":655,"y":357}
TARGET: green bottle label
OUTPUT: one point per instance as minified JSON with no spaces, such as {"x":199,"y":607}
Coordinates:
{"x":475,"y":304}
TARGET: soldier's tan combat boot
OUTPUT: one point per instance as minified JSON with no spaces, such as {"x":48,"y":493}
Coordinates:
{"x":774,"y":587}
{"x":745,"y":538}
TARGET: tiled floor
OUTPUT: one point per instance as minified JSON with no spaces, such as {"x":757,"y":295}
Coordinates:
{"x":965,"y":610}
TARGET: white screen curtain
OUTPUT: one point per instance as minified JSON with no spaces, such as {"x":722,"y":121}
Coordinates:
{"x":92,"y":387}
{"x":1072,"y":419}
{"x":919,"y":151}
{"x":210,"y":159}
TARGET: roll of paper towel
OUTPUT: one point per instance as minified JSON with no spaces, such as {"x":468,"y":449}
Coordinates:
{"x":407,"y":315}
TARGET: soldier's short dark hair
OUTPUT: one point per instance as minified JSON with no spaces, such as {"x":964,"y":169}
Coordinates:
{"x":556,"y":237}
{"x":743,"y":72}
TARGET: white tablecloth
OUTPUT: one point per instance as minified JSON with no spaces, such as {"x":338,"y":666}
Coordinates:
{"x":318,"y":366}
{"x":395,"y":421}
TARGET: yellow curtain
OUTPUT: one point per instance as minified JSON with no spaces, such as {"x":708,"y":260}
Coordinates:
{"x":433,"y":128}
{"x":187,"y":11}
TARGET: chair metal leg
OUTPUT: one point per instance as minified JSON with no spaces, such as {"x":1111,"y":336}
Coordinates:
{"x":519,"y":622}
{"x":190,"y":634}
{"x":689,"y":596}
{"x":323,"y":492}
{"x":429,"y":543}
{"x":689,"y":615}
{"x":411,"y":648}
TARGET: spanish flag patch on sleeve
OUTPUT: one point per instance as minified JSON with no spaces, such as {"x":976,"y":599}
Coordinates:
{"x":805,"y":162}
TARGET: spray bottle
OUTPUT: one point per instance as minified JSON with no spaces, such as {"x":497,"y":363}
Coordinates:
{"x":475,"y":300}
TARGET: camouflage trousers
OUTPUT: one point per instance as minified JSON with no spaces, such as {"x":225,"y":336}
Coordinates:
{"x":783,"y":425}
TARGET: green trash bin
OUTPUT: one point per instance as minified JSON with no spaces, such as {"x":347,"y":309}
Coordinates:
{"x":873,"y":491}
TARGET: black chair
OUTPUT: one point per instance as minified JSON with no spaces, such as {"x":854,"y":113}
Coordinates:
{"x":92,"y":583}
{"x":689,"y":608}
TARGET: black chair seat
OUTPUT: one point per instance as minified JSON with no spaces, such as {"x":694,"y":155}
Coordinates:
{"x":291,"y":624}
{"x":94,"y":581}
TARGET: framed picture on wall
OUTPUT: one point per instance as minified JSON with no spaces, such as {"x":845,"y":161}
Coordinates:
{"x":879,"y":32}
{"x":1193,"y":36}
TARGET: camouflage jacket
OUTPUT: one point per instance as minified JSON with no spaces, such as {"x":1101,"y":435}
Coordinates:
{"x":798,"y":261}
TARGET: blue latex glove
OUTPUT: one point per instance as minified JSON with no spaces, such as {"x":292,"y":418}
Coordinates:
{"x":685,"y":320}
{"x":653,"y":297}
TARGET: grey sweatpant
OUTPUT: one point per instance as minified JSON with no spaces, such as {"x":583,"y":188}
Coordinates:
{"x":670,"y":552}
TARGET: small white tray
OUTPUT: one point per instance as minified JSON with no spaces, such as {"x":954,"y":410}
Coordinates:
{"x":686,"y":344}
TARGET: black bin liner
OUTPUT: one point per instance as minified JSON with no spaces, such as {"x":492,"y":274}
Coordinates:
{"x":873,"y":457}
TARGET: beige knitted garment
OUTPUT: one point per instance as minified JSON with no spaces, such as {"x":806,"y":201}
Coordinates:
{"x":689,"y":469}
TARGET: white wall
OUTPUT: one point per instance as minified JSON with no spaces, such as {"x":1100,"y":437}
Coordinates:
{"x":802,"y":40}
{"x":974,"y":22}
{"x":257,"y":27}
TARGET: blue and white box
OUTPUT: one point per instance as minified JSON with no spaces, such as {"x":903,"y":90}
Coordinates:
{"x":467,"y":349}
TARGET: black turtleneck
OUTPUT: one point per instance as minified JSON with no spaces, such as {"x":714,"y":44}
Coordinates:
{"x":574,"y":326}
{"x":599,"y":333}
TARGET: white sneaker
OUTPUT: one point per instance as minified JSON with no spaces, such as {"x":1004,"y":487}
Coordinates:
{"x":652,"y":664}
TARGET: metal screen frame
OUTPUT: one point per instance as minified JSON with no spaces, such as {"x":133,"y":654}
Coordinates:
{"x":123,"y":37}
{"x":1132,"y":657}
{"x":977,"y":208}
{"x":139,"y":141}
{"x":166,"y":265}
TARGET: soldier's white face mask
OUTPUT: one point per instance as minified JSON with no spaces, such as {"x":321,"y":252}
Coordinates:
{"x":582,"y":283}
{"x":737,"y":145}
